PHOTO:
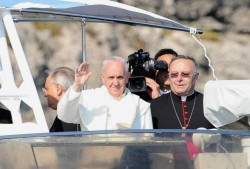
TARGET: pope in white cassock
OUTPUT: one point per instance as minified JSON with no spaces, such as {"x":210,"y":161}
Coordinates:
{"x":109,"y":107}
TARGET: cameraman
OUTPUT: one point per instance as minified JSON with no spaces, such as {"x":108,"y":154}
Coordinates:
{"x":161,"y":84}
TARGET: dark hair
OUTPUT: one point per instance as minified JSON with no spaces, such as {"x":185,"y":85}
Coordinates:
{"x":188,"y":58}
{"x":165,"y":52}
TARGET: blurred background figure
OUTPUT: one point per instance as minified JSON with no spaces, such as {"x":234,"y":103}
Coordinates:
{"x":162,"y":77}
{"x":161,"y":84}
{"x":56,"y":84}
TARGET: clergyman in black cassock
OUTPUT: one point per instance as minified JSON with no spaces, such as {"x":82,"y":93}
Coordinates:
{"x":168,"y":113}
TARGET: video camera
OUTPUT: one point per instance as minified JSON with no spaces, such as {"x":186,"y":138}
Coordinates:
{"x":141,"y":66}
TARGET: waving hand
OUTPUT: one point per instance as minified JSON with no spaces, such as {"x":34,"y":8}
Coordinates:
{"x":81,"y":76}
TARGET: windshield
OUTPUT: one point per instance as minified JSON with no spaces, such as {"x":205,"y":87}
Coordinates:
{"x":154,"y":149}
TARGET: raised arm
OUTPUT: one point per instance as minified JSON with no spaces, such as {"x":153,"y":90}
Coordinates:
{"x":67,"y":108}
{"x":81,"y":76}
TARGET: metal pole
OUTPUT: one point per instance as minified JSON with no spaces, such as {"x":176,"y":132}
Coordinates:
{"x":84,"y":48}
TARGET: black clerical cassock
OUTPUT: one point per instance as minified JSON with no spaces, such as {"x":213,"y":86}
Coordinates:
{"x":179,"y":112}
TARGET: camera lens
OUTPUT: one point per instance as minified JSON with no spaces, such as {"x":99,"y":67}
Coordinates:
{"x":137,"y":84}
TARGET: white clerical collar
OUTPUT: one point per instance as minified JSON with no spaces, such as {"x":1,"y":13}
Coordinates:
{"x":162,"y":92}
{"x":184,"y":98}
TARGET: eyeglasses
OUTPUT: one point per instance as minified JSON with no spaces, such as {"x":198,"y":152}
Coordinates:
{"x":174,"y":75}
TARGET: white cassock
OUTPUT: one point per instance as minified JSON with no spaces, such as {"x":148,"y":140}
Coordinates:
{"x":96,"y":109}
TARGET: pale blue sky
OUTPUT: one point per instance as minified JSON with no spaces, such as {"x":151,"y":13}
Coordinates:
{"x":54,"y":3}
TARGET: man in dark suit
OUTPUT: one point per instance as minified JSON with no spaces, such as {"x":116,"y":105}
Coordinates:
{"x":56,"y":84}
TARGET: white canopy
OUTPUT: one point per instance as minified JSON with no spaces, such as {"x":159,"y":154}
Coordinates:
{"x":90,"y":10}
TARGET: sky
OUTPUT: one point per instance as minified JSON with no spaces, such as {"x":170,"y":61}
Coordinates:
{"x":53,"y":3}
